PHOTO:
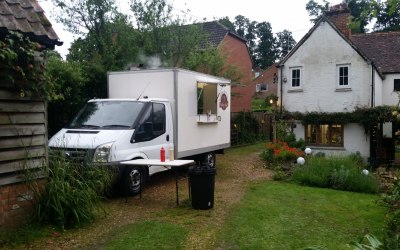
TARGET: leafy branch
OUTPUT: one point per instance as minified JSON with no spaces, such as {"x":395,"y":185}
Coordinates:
{"x":22,"y":66}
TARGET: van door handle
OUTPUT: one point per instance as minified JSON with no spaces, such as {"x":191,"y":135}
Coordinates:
{"x":167,"y":137}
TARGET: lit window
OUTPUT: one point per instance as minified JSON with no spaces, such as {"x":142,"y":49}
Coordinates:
{"x":324,"y":135}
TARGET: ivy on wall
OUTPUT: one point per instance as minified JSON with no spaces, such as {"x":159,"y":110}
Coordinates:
{"x":22,"y":67}
{"x":364,"y":116}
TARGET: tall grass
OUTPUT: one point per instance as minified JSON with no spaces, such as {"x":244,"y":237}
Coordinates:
{"x":73,"y":194}
{"x":337,"y":172}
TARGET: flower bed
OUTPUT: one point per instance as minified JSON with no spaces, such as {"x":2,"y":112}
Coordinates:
{"x":278,"y":154}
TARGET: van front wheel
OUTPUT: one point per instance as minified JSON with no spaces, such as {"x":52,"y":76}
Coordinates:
{"x":134,"y":179}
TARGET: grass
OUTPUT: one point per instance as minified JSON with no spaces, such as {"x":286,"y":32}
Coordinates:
{"x":23,"y":235}
{"x":272,"y":215}
{"x":250,"y":212}
{"x":277,"y":215}
{"x":148,"y":235}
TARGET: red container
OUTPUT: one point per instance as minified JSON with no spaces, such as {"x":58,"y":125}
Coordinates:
{"x":162,"y":154}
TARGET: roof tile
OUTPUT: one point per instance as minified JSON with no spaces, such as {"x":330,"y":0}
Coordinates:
{"x":382,"y":48}
{"x":27,"y":17}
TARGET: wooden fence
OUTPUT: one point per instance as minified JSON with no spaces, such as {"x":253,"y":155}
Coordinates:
{"x":264,"y":126}
{"x":23,"y":136}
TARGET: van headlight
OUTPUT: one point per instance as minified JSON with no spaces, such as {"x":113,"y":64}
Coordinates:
{"x":102,"y":153}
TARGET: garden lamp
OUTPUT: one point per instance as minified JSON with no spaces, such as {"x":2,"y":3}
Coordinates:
{"x":300,"y":160}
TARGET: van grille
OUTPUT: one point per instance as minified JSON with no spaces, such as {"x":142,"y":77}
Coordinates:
{"x":75,"y":155}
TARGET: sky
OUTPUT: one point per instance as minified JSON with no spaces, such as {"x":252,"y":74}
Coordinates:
{"x":281,"y":14}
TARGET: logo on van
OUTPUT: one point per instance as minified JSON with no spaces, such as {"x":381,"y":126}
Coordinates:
{"x":224,"y":101}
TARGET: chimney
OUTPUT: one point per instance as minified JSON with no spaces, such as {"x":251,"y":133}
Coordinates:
{"x":339,"y":15}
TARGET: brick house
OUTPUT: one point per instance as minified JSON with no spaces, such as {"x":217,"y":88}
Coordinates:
{"x":236,"y":52}
{"x":332,"y":70}
{"x":23,"y":120}
{"x":266,"y":83}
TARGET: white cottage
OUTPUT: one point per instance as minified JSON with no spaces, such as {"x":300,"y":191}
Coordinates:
{"x":331,"y":70}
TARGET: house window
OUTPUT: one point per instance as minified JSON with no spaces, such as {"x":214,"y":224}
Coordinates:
{"x":324,"y":135}
{"x":343,"y":75}
{"x":206,"y":98}
{"x":260,"y":87}
{"x":295,"y":75}
{"x":396,"y":85}
{"x":264,"y":87}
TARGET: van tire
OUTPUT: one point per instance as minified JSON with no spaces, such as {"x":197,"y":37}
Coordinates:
{"x":209,"y":160}
{"x":134,"y":179}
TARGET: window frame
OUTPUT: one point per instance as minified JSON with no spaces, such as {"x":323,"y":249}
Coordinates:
{"x":319,"y":134}
{"x":339,"y":76}
{"x":396,"y":81}
{"x":146,"y":123}
{"x":297,"y":78}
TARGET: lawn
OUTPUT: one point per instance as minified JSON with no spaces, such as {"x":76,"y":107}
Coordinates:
{"x":272,"y":215}
{"x":277,"y":215}
{"x":250,"y":212}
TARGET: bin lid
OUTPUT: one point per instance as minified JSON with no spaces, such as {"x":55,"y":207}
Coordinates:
{"x":201,"y":170}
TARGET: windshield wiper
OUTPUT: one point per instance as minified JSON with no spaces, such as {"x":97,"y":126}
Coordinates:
{"x":115,"y":126}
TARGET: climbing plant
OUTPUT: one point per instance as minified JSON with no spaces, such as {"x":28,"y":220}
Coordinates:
{"x":22,"y":67}
{"x":364,"y":116}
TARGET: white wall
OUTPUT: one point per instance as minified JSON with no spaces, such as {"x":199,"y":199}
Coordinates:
{"x":318,"y":58}
{"x":355,"y":140}
{"x":389,"y":96}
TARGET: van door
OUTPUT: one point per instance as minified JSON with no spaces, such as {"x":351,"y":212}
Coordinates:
{"x":152,"y":133}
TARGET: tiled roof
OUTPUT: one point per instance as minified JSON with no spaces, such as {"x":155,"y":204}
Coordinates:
{"x":383,"y":49}
{"x":217,"y":32}
{"x":28,"y":17}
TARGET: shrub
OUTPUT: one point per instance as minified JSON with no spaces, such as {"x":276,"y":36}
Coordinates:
{"x":392,"y":229}
{"x":277,"y":153}
{"x":279,"y":175}
{"x":341,"y":173}
{"x":72,"y":194}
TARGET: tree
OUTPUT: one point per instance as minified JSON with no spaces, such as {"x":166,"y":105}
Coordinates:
{"x":285,"y":43}
{"x":227,"y":23}
{"x":107,"y":40}
{"x":164,"y":36}
{"x":70,"y":82}
{"x":359,"y":10}
{"x":266,"y":52}
{"x":247,"y":29}
{"x":387,"y":15}
{"x":315,"y":10}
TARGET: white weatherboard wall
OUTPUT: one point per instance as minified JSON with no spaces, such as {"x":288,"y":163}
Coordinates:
{"x":355,"y":140}
{"x":318,"y":58}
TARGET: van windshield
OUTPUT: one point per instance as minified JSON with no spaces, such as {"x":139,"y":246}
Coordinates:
{"x":107,"y":115}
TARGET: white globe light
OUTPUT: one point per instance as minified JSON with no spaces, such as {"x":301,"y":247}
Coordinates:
{"x":365,"y":171}
{"x":307,"y":151}
{"x":300,"y":160}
